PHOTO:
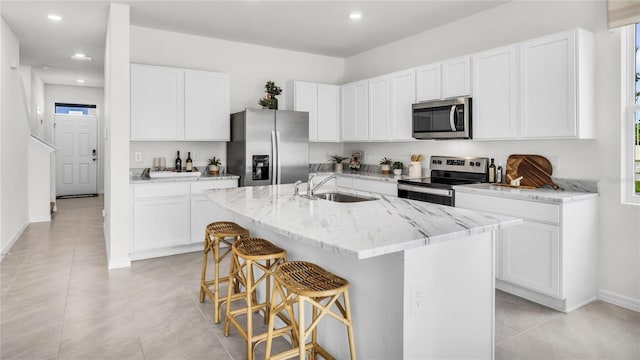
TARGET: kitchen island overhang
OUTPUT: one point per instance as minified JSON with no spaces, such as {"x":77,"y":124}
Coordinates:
{"x":422,"y":275}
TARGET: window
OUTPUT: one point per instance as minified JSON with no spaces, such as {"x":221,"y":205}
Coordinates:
{"x":630,"y":36}
{"x":75,"y":109}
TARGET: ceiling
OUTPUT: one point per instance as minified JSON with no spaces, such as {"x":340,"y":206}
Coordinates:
{"x":319,"y":27}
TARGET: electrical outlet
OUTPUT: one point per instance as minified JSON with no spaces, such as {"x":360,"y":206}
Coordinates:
{"x":138,"y":156}
{"x":416,"y":295}
{"x":196,"y":155}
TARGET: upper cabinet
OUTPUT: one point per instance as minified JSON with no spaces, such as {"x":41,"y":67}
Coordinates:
{"x":495,"y":94}
{"x":403,"y":95}
{"x":355,"y":111}
{"x":537,"y":89}
{"x":444,"y":80}
{"x":556,"y":86}
{"x":178,"y":104}
{"x":322,"y":102}
{"x":379,"y":108}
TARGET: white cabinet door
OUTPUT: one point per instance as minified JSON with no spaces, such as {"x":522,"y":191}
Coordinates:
{"x":428,"y":82}
{"x":157,"y":103}
{"x":495,"y":94}
{"x":456,"y":77}
{"x":207,"y":106}
{"x":380,"y":187}
{"x":160,"y":222}
{"x":403,"y":95}
{"x":531,"y":257}
{"x":547,"y":87}
{"x":355,"y":111}
{"x":203,"y":212}
{"x":379,"y":109}
{"x":328,"y":109}
{"x":305,"y":98}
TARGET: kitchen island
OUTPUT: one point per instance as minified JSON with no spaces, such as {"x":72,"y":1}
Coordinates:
{"x":421,"y":275}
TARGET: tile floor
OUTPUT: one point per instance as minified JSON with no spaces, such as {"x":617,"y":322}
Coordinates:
{"x":58,"y":301}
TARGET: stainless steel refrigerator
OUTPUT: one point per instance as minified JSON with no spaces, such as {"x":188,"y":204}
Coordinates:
{"x":269,"y":147}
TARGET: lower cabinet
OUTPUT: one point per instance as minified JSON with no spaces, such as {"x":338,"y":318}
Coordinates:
{"x":551,"y":257}
{"x":376,"y":186}
{"x":170,"y":218}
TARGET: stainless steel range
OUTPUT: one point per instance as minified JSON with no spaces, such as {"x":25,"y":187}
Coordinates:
{"x":446,"y":172}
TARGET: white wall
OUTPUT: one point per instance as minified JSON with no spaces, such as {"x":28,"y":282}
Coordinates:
{"x":599,"y":159}
{"x":14,"y":137}
{"x":249,"y":67}
{"x":76,"y":95}
{"x":116,"y":133}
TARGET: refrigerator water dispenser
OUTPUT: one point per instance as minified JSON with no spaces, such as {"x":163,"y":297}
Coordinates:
{"x":260,"y":167}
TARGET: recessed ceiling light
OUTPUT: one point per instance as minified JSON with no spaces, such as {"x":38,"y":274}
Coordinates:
{"x":80,"y":81}
{"x":80,"y":57}
{"x":54,"y":17}
{"x":355,"y":16}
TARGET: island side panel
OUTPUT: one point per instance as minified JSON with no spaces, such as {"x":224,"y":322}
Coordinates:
{"x":376,"y":295}
{"x":449,"y":299}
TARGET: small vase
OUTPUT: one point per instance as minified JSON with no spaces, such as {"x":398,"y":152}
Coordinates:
{"x":385,"y":169}
{"x":274,"y":104}
{"x":338,"y":167}
{"x":397,"y":171}
{"x":214,"y":170}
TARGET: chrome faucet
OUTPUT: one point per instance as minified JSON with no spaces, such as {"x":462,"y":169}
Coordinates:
{"x":312,"y":189}
{"x":297,"y":191}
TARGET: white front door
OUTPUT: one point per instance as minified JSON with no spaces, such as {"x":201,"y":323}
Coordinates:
{"x":76,"y":157}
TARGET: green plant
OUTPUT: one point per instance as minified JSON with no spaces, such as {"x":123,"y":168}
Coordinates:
{"x":271,"y":88}
{"x":386,"y":161}
{"x":269,"y":100}
{"x":398,"y":165}
{"x":215,"y":161}
{"x":337,"y":159}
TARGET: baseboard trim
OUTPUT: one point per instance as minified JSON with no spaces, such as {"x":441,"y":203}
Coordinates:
{"x":13,"y":240}
{"x":119,"y":263}
{"x":620,"y":300}
{"x":43,"y":218}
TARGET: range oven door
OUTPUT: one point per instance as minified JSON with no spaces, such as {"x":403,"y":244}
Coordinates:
{"x":448,"y":119}
{"x":427,"y":194}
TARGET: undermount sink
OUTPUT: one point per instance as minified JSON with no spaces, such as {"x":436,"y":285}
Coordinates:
{"x":344,"y":198}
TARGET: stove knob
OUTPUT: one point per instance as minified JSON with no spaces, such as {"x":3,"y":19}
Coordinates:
{"x":472,"y":163}
{"x":477,"y":163}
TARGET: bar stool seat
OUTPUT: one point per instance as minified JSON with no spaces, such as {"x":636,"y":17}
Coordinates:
{"x":300,"y":282}
{"x":215,"y":234}
{"x":251,"y":257}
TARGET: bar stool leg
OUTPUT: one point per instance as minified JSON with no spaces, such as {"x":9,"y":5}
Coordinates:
{"x":205,"y":253}
{"x":301,"y":328}
{"x":249,"y":299}
{"x":347,"y":307}
{"x":216,"y":280}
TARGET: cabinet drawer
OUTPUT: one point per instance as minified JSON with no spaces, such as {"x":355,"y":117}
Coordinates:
{"x":160,"y":190}
{"x":344,"y":182}
{"x":199,"y":186}
{"x":532,"y":210}
{"x":380,"y":187}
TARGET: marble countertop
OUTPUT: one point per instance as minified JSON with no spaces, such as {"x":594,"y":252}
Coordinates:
{"x":138,"y":179}
{"x":539,"y":194}
{"x":360,"y":230}
{"x":366,"y":175}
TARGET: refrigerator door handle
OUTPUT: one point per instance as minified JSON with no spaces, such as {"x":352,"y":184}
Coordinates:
{"x":274,"y":158}
{"x":278,"y":162}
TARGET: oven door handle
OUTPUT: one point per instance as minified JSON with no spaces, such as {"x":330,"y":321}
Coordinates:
{"x":426,"y":190}
{"x":452,"y":118}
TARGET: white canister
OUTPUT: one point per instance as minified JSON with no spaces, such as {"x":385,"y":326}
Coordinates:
{"x":415,"y":169}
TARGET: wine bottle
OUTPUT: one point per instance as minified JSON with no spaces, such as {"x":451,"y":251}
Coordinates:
{"x":499,"y":174}
{"x":178,"y":162}
{"x":492,"y":172}
{"x":189,"y":163}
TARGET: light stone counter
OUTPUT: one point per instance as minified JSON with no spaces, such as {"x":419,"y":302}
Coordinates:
{"x":540,"y":194}
{"x":359,"y":230}
{"x":138,"y":179}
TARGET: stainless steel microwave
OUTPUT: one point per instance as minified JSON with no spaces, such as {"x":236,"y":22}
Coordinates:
{"x":446,"y":119}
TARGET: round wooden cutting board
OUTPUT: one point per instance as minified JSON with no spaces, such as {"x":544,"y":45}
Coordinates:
{"x":535,"y":170}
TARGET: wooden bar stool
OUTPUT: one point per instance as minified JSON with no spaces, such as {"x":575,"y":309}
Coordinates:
{"x":214,"y":234}
{"x":303,"y":282}
{"x":251,"y":254}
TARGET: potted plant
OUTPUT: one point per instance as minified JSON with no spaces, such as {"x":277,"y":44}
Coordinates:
{"x":269,"y":101}
{"x":397,"y":167}
{"x":337,"y":160}
{"x":385,"y":165}
{"x":214,"y":164}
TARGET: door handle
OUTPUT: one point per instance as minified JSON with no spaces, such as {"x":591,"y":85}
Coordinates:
{"x":452,"y":115}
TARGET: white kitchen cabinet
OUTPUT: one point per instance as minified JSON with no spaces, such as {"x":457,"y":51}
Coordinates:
{"x":207,"y":106}
{"x":379,"y":108}
{"x":557,"y":86}
{"x":456,"y":77}
{"x":170,"y":218}
{"x":355,"y":111}
{"x":157,"y":103}
{"x":494,"y":107}
{"x":549,"y":259}
{"x":403,"y":95}
{"x":203,"y":211}
{"x":160,"y":216}
{"x":322,"y":102}
{"x":370,"y":185}
{"x":178,"y":104}
{"x":428,"y":82}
